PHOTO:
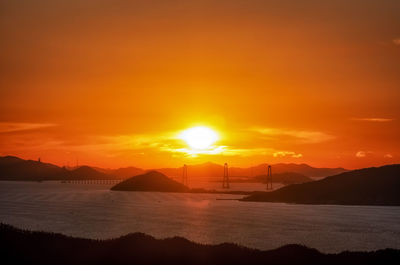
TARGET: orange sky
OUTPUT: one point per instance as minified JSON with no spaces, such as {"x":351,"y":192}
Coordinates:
{"x":111,"y":83}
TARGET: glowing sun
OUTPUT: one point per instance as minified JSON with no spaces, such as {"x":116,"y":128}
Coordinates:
{"x":199,"y":137}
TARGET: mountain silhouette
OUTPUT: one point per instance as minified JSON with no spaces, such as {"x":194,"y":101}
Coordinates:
{"x":151,"y":181}
{"x":212,"y":171}
{"x":369,"y":186}
{"x":86,"y":172}
{"x":285,"y":178}
{"x":14,"y":168}
{"x":282,"y":178}
{"x":303,"y":169}
{"x":123,"y":173}
{"x":205,"y":171}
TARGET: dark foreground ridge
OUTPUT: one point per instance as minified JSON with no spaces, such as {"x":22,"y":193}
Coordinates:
{"x":369,"y":186}
{"x":25,"y":247}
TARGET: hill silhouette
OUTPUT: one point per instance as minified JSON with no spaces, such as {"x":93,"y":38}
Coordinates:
{"x":25,"y":247}
{"x":151,"y":181}
{"x":211,"y":171}
{"x":369,"y":186}
{"x":123,"y":172}
{"x":305,"y":170}
{"x":284,"y":178}
{"x":86,"y":172}
{"x":205,"y":171}
{"x":14,"y":168}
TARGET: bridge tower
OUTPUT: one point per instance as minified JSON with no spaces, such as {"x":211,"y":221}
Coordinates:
{"x":225,"y":180}
{"x":269,"y":177}
{"x":184,"y":175}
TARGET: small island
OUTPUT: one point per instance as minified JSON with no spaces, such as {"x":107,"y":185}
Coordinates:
{"x":151,"y":181}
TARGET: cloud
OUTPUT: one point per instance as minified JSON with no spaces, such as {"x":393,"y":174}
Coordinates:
{"x":373,"y":119}
{"x":7,"y":127}
{"x":396,"y":41}
{"x":298,"y":135}
{"x":131,"y":144}
{"x":287,"y":153}
{"x":194,"y":153}
{"x":297,"y":155}
{"x":169,"y":143}
{"x":361,"y":154}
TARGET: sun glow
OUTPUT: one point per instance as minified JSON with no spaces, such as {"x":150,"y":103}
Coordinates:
{"x":199,"y":138}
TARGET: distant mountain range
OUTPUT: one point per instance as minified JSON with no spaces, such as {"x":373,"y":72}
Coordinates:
{"x":369,"y":186}
{"x":303,"y":169}
{"x":123,"y":173}
{"x":156,"y":181}
{"x":211,"y":171}
{"x":14,"y":168}
{"x":285,"y":178}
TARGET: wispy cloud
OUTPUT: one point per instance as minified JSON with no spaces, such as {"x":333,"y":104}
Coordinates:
{"x":298,"y":135}
{"x":287,"y":153}
{"x":7,"y":127}
{"x":373,"y":119}
{"x":215,"y":150}
{"x":144,"y":144}
{"x":361,"y":154}
{"x":388,"y":156}
{"x":396,"y":41}
{"x":169,"y":143}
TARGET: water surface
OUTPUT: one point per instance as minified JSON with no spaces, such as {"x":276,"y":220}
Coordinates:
{"x":93,"y":211}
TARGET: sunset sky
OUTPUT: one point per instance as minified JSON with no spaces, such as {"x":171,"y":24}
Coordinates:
{"x":114,"y":83}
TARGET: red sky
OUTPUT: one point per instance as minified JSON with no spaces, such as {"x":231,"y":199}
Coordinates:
{"x":112,"y":83}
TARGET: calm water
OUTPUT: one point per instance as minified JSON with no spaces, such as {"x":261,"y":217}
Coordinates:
{"x":95,"y":212}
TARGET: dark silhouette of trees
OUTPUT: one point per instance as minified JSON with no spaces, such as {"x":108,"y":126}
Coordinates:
{"x":24,"y":247}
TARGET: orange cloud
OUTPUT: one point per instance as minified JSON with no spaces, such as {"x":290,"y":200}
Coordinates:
{"x":287,"y":153}
{"x":7,"y":127}
{"x":361,"y":154}
{"x":168,"y":142}
{"x":298,"y":135}
{"x":373,"y":119}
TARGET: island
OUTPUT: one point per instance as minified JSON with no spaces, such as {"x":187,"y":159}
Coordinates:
{"x":368,"y":186}
{"x":151,"y":181}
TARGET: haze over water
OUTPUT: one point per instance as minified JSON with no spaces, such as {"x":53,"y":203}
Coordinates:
{"x":94,"y":211}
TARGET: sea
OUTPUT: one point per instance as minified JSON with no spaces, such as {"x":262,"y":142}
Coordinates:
{"x":94,"y":211}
